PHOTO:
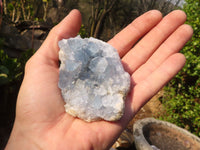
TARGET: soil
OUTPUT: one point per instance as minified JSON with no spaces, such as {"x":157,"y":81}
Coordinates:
{"x":152,"y":109}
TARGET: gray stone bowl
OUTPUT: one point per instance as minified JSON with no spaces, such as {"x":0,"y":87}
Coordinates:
{"x":152,"y":134}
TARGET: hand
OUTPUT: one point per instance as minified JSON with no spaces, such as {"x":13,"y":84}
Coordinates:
{"x":41,"y":121}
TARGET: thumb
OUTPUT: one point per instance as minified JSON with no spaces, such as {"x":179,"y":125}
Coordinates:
{"x":68,"y":27}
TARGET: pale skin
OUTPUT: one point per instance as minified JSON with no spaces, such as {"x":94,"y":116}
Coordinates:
{"x":41,"y":122}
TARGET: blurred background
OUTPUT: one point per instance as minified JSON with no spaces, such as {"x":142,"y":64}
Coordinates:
{"x":24,"y":24}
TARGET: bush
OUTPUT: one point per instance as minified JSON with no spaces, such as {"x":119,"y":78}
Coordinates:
{"x":11,"y":75}
{"x":9,"y":69}
{"x":12,"y":69}
{"x":182,"y":94}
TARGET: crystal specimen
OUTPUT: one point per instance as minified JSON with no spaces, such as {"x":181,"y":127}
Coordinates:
{"x":92,"y":79}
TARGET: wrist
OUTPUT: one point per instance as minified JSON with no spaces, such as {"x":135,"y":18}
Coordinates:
{"x":19,"y":140}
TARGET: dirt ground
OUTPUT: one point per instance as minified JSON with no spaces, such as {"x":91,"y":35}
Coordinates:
{"x":152,"y":109}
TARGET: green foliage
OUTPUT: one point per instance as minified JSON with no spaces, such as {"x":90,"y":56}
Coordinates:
{"x":23,"y":10}
{"x":182,"y":98}
{"x":182,"y":109}
{"x":82,"y":32}
{"x":8,"y":68}
{"x":12,"y":69}
{"x":10,"y":7}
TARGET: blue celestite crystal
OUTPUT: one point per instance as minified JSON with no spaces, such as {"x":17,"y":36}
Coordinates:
{"x":92,"y":80}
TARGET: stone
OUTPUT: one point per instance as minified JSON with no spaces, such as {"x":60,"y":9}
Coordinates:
{"x":92,"y":79}
{"x":16,"y":42}
{"x":153,"y":134}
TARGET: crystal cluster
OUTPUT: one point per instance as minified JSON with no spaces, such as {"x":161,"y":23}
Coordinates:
{"x":92,"y":79}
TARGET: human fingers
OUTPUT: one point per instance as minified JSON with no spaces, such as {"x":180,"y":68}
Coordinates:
{"x":152,"y":40}
{"x":125,"y":39}
{"x":68,"y":27}
{"x":147,"y":88}
{"x":140,"y":94}
{"x":172,"y":45}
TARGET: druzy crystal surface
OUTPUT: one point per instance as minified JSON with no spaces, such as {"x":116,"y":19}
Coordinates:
{"x":92,"y":79}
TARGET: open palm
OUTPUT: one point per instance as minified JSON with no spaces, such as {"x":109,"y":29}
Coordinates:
{"x":41,"y":121}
